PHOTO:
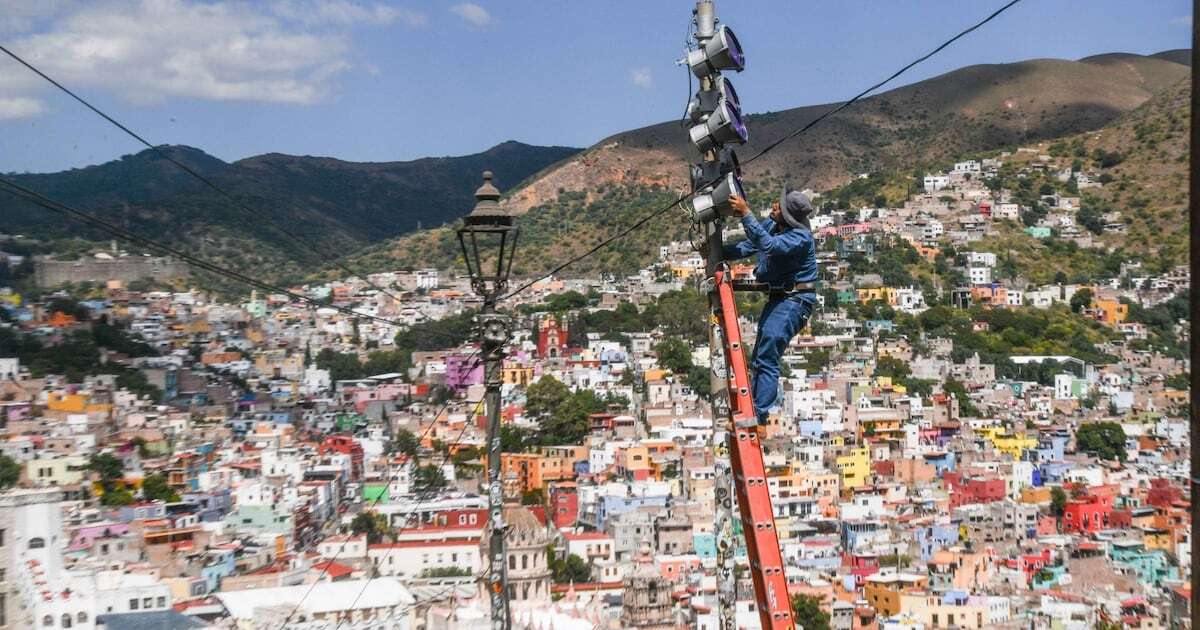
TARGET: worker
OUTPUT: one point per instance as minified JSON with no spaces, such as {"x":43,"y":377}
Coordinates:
{"x":787,"y":263}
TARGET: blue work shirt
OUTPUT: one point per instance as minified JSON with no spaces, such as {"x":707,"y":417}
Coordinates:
{"x":786,"y":255}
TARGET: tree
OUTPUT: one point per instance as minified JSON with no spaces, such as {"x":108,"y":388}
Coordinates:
{"x":155,"y":488}
{"x":10,"y":472}
{"x":544,"y":398}
{"x":1058,"y":501}
{"x":373,"y":524}
{"x":404,"y":441}
{"x":1080,"y":300}
{"x":428,"y":478}
{"x":117,"y":497}
{"x":699,"y":380}
{"x":572,"y":569}
{"x":108,"y":467}
{"x":1105,"y":440}
{"x":806,"y":610}
{"x":674,"y":355}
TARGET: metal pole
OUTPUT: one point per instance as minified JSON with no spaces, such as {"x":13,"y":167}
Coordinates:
{"x":494,"y":334}
{"x":1194,"y":496}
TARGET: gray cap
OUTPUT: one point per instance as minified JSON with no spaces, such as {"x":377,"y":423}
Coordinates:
{"x":796,"y":208}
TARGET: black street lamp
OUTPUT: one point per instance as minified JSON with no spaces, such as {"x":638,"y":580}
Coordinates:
{"x":489,"y":239}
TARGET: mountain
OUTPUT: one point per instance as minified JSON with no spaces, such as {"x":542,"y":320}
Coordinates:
{"x":969,"y":111}
{"x":340,"y":205}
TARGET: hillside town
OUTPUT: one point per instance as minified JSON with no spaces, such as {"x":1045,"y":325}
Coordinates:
{"x":958,"y":444}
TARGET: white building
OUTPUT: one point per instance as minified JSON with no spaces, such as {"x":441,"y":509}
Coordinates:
{"x":979,"y":275}
{"x":936,"y":182}
{"x":382,"y":603}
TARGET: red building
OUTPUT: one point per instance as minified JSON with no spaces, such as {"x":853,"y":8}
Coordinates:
{"x":345,"y":445}
{"x":861,"y":566}
{"x":564,"y":503}
{"x":1087,"y":514}
{"x":963,"y":492}
{"x":1162,"y":493}
{"x":552,"y":338}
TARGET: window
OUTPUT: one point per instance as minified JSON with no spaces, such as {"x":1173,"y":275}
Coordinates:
{"x":147,"y":602}
{"x":48,"y":621}
{"x":162,"y":602}
{"x":66,"y":620}
{"x":1,"y":537}
{"x":133,"y":604}
{"x":37,"y":543}
{"x":81,"y":617}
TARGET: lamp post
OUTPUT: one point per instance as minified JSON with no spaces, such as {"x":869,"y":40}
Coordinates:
{"x":489,"y":238}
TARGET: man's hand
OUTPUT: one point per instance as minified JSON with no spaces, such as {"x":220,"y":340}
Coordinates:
{"x":739,"y":205}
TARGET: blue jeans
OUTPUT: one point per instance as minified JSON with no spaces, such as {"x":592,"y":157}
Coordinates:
{"x":779,"y":322}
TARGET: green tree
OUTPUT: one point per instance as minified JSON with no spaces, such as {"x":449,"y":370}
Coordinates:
{"x":1081,"y":299}
{"x":699,"y":380}
{"x":109,"y":467}
{"x":405,"y":441}
{"x":545,"y":397}
{"x":116,"y":497}
{"x":372,"y":524}
{"x":1105,"y":440}
{"x":806,"y":610}
{"x":155,"y":488}
{"x":1058,"y":501}
{"x":428,"y":478}
{"x":674,"y":354}
{"x":10,"y":472}
{"x":572,"y":569}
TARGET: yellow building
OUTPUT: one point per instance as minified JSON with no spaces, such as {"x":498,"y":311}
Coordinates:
{"x":517,"y":375}
{"x":883,"y":591}
{"x":56,"y":471}
{"x":1109,"y":312}
{"x":1155,"y":538}
{"x":1011,"y":444}
{"x":932,"y":613}
{"x":70,"y":403}
{"x":886,"y":294}
{"x":855,"y":467}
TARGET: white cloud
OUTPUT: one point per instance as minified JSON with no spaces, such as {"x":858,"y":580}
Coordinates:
{"x":12,"y":108}
{"x":473,"y":13}
{"x":345,"y":13}
{"x":291,"y":51}
{"x":641,"y":77}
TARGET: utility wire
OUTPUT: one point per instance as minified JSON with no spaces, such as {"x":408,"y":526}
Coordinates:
{"x":38,"y":199}
{"x":329,"y":562}
{"x":409,"y":520}
{"x":895,"y":74}
{"x":770,"y":147}
{"x":250,"y":212}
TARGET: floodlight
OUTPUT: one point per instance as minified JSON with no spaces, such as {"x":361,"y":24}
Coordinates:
{"x":723,"y":126}
{"x":707,"y":101}
{"x":721,"y":52}
{"x":709,"y":205}
{"x":706,"y":173}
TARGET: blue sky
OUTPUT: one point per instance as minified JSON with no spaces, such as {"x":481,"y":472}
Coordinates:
{"x":376,"y":81}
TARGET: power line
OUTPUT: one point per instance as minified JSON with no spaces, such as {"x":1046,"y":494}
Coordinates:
{"x":387,"y":553}
{"x":895,"y":74}
{"x":767,"y":149}
{"x":38,"y":199}
{"x":379,"y":498}
{"x":250,"y":212}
